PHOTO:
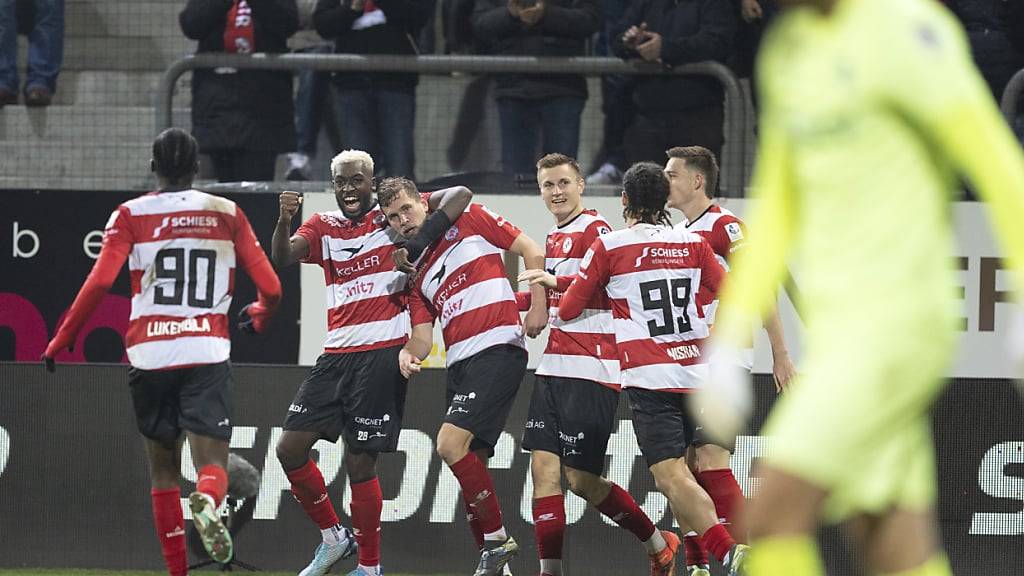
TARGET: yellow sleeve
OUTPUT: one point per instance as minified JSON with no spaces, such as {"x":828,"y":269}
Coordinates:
{"x":758,"y":269}
{"x":936,"y":84}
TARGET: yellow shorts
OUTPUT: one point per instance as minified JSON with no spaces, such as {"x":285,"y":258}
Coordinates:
{"x":856,"y":420}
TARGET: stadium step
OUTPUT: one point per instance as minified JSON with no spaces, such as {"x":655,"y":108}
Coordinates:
{"x":134,"y":18}
{"x":81,"y":126}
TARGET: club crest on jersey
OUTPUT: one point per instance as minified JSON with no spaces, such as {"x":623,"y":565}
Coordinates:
{"x":734,"y":231}
{"x":566,"y":245}
{"x":452,"y":233}
{"x":602,"y":230}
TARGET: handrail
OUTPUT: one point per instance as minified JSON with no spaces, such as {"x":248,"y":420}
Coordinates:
{"x":735,"y":113}
{"x":1011,"y":96}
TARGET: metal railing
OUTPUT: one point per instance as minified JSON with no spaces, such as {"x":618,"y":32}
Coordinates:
{"x":736,"y":129}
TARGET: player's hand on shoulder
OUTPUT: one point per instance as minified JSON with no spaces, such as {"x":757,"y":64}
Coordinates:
{"x":289,"y":203}
{"x":408,"y":363}
{"x":254,"y":318}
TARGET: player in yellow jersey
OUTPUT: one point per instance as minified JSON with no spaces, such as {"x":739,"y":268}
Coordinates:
{"x":871,"y":109}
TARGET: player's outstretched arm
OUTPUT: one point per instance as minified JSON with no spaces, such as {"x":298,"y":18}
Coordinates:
{"x":251,"y":258}
{"x":416,"y":349}
{"x":759,"y":268}
{"x":286,"y":249}
{"x":97,"y":284}
{"x":533,"y":258}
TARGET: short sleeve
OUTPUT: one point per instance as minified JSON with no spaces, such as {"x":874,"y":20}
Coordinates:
{"x":118,"y":234}
{"x":593,"y":231}
{"x":493,"y":227}
{"x":420,"y":311}
{"x":312,"y":231}
{"x":727,"y":236}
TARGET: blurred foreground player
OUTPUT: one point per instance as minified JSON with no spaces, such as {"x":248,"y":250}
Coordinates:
{"x":871,"y":110}
{"x":461,"y":281}
{"x":183,"y":247}
{"x":659,"y":281}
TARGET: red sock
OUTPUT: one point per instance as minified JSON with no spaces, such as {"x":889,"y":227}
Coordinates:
{"x":695,"y":553}
{"x":170,"y":529}
{"x":474,"y":523}
{"x":367,"y":502}
{"x":549,"y":526}
{"x":721,"y":485}
{"x":213,"y":481}
{"x":620,"y":507}
{"x":718,"y":541}
{"x":309,"y":489}
{"x":476,"y":482}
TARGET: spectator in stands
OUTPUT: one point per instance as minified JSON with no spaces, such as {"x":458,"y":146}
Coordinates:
{"x":674,"y":109}
{"x":994,"y":53}
{"x":242,"y":118}
{"x":43,"y":22}
{"x":314,"y":86}
{"x":549,"y":105}
{"x":377,"y":111}
{"x":616,"y":101}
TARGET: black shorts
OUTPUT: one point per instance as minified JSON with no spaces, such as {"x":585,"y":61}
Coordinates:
{"x":360,"y":395}
{"x":572,"y":418}
{"x":481,"y":390}
{"x":197,"y":399}
{"x":662,"y":423}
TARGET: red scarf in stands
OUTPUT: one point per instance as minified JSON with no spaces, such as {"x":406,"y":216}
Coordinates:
{"x":369,"y":6}
{"x":238,"y":31}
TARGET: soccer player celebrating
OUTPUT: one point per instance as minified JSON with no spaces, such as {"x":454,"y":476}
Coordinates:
{"x":576,"y":391}
{"x":692,"y":173}
{"x":182,"y":247}
{"x":857,"y":159}
{"x":356,"y":389}
{"x":461,"y":280}
{"x":659,"y":281}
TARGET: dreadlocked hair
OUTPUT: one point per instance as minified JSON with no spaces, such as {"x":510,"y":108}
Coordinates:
{"x":174,"y":154}
{"x":646,"y":191}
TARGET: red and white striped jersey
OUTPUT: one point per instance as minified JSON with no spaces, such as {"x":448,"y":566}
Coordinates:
{"x":366,"y":301}
{"x":583,"y":347}
{"x":724,"y":231}
{"x":462,"y":281}
{"x":184,"y":248}
{"x":658,"y":280}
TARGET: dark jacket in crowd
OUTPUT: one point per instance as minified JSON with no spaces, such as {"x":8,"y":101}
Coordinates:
{"x":994,"y":53}
{"x":333,"y":19}
{"x":692,"y":31}
{"x":562,"y":31}
{"x":247,"y":109}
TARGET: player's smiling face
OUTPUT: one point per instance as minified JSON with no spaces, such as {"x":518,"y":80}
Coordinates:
{"x":682,"y":183}
{"x":562,"y":189}
{"x":406,"y":214}
{"x":353,"y":188}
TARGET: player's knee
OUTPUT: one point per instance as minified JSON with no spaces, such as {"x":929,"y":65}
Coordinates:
{"x":451,"y":447}
{"x":289,"y":457}
{"x":710,"y":457}
{"x":582,"y":484}
{"x":361,"y":466}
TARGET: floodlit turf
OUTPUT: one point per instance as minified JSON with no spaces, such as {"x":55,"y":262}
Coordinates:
{"x":81,"y":572}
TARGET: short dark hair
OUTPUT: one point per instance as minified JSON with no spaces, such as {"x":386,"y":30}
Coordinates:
{"x":558,"y":159}
{"x":646,"y":189}
{"x":701,"y":159}
{"x":174,"y":154}
{"x":390,"y":188}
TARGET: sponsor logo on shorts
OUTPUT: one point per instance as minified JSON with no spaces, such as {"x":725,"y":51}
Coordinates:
{"x":460,"y":398}
{"x":571,"y":440}
{"x":375,"y":422}
{"x":298,"y":408}
{"x":538,"y":424}
{"x":224,"y":422}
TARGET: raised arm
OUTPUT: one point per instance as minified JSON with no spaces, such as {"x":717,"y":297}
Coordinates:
{"x":286,"y":249}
